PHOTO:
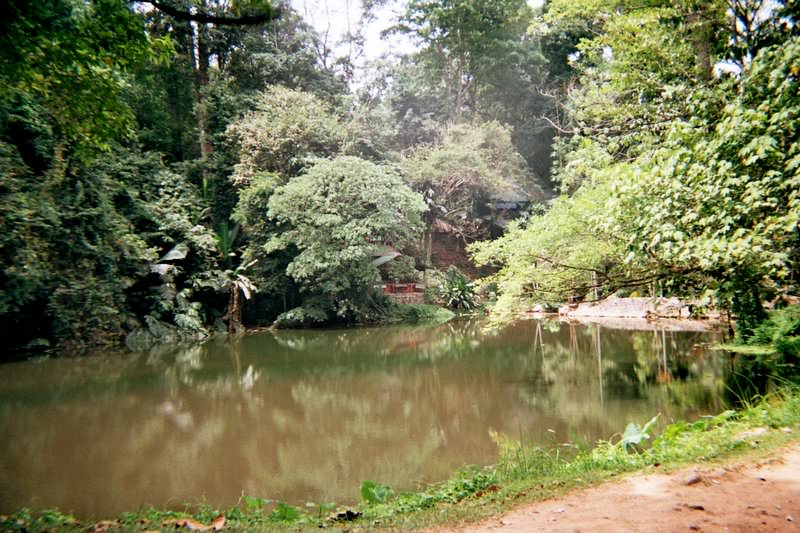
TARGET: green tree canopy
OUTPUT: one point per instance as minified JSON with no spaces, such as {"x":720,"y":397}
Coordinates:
{"x":71,"y":57}
{"x":722,"y":198}
{"x":460,"y":177}
{"x":286,"y":130}
{"x":469,"y":46}
{"x":691,"y":195}
{"x":329,"y":221}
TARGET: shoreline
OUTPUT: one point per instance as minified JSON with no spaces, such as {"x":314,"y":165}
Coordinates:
{"x":523,"y":475}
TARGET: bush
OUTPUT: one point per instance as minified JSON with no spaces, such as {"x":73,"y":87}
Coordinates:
{"x":402,"y":269}
{"x":781,"y":328}
{"x":316,"y":235}
{"x":780,"y":331}
{"x":457,"y":291}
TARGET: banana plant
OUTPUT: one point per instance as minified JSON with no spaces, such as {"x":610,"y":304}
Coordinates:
{"x":237,"y":285}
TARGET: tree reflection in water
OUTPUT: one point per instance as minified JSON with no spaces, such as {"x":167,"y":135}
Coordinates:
{"x":308,"y":415}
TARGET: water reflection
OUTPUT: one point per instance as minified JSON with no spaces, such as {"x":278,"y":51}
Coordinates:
{"x":308,"y":415}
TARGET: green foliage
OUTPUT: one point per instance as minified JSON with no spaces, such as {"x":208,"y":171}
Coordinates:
{"x":80,"y":249}
{"x":671,"y":183}
{"x":781,"y":332}
{"x":558,"y":255}
{"x":226,"y":236}
{"x":285,"y":132}
{"x":25,"y":520}
{"x":471,"y":49}
{"x":402,"y":269}
{"x":464,"y":484}
{"x":71,"y":58}
{"x":635,"y":434}
{"x":480,"y":154}
{"x":419,"y":314}
{"x":461,"y":177}
{"x":475,"y":62}
{"x":319,"y":231}
{"x":255,"y":504}
{"x":738,"y":185}
{"x":278,"y":292}
{"x":373,"y":492}
{"x":285,"y":513}
{"x":457,"y":291}
{"x":282,"y":53}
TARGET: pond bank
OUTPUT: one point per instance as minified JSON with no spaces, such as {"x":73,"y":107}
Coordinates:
{"x":757,"y":494}
{"x":639,"y":308}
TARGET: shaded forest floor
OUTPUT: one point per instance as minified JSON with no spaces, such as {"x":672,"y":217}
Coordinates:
{"x":761,"y":495}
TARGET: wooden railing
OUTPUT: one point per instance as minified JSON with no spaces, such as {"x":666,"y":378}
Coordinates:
{"x":403,"y":288}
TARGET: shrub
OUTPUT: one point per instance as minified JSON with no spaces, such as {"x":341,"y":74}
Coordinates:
{"x":457,"y":291}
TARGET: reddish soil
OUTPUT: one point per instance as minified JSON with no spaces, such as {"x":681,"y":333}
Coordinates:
{"x":743,"y":497}
{"x":450,"y":250}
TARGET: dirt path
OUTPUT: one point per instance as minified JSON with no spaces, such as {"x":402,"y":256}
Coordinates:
{"x":746,"y":497}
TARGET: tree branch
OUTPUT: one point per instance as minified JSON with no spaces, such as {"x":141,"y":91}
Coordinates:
{"x":204,"y":18}
{"x":563,"y":265}
{"x":557,"y":127}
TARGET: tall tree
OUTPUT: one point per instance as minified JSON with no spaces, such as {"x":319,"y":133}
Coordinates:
{"x":673,"y":180}
{"x":477,"y":61}
{"x":320,"y":230}
{"x":463,"y":176}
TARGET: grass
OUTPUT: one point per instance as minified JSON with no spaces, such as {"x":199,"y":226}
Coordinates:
{"x":522,"y":474}
{"x":745,"y":349}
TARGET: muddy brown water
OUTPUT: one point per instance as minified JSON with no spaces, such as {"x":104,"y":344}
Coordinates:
{"x":306,"y":416}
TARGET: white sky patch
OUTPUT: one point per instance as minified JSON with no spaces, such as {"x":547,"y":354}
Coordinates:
{"x":727,"y":67}
{"x":333,"y":19}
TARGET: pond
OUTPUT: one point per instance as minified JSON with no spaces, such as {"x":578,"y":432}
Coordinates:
{"x":306,"y":416}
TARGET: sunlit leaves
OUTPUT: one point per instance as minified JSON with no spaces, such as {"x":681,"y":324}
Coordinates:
{"x":556,"y":255}
{"x":726,"y":202}
{"x":702,"y":200}
{"x":472,"y":166}
{"x":373,"y":492}
{"x":285,"y":131}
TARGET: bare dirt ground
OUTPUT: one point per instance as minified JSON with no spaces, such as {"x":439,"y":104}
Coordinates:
{"x":763,"y":496}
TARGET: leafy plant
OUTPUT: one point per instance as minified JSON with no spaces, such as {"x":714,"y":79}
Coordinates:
{"x":285,"y":513}
{"x":254,"y":504}
{"x":226,"y":237}
{"x":420,"y":314}
{"x":402,"y":269}
{"x":781,"y":329}
{"x":327,"y":222}
{"x":373,"y":493}
{"x":457,"y":291}
{"x":285,"y":132}
{"x":780,"y":334}
{"x":635,"y":434}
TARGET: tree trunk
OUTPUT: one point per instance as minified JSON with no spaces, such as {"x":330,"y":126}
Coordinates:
{"x":700,"y":33}
{"x":203,"y":61}
{"x":429,"y":248}
{"x":234,"y":314}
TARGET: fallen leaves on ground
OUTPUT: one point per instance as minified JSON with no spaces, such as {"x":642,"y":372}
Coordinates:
{"x":104,"y":525}
{"x":193,"y":525}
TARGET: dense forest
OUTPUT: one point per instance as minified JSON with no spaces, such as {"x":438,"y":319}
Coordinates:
{"x":173,"y":168}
